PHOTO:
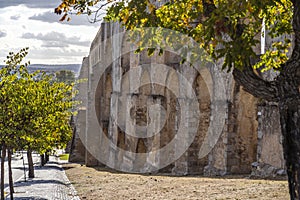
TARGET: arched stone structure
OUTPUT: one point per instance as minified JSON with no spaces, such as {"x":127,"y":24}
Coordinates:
{"x":120,"y":101}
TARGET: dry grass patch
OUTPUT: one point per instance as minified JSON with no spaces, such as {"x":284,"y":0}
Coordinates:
{"x":102,"y":183}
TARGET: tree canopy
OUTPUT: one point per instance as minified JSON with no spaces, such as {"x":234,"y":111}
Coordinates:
{"x":226,"y":29}
{"x":35,"y":110}
{"x":65,"y":76}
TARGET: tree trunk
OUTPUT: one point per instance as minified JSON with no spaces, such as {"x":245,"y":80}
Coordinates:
{"x":2,"y":170}
{"x":30,"y":164}
{"x":47,"y":156}
{"x":10,"y":177}
{"x":290,"y":127}
{"x":43,"y":161}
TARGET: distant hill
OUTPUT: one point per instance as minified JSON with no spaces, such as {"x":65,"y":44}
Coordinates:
{"x":54,"y":68}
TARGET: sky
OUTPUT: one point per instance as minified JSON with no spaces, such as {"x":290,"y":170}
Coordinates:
{"x":33,"y":24}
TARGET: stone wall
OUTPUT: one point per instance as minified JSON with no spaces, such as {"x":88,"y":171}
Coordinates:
{"x":78,"y":151}
{"x":242,"y":137}
{"x":270,"y":161}
{"x":111,"y":102}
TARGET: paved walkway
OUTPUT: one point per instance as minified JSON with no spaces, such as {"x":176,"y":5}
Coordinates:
{"x":50,"y":183}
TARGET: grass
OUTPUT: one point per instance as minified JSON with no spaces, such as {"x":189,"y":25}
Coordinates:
{"x":64,"y":156}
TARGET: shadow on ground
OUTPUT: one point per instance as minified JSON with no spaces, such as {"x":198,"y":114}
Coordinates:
{"x":160,"y":174}
{"x":28,"y":198}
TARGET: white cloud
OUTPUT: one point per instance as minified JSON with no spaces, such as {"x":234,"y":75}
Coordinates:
{"x":56,"y":55}
{"x":30,"y":3}
{"x":2,"y":33}
{"x":51,"y":17}
{"x":15,"y":17}
{"x":49,"y":43}
{"x":55,"y":38}
{"x":54,"y":44}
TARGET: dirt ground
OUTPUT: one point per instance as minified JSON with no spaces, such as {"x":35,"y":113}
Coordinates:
{"x":101,"y":183}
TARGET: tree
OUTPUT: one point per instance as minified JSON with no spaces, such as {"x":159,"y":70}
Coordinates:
{"x":48,"y":124}
{"x":229,"y":29}
{"x":35,"y":112}
{"x":66,"y":76}
{"x":8,"y":78}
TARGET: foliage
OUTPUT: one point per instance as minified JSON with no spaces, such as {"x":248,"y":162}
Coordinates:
{"x":228,"y":29}
{"x":35,"y":110}
{"x":89,"y":7}
{"x":66,"y":76}
{"x":64,"y":156}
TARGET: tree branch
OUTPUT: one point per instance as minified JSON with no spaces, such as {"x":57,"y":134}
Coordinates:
{"x":289,"y":78}
{"x":255,"y":85}
{"x":209,"y":7}
{"x":296,"y":29}
{"x":287,"y":83}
